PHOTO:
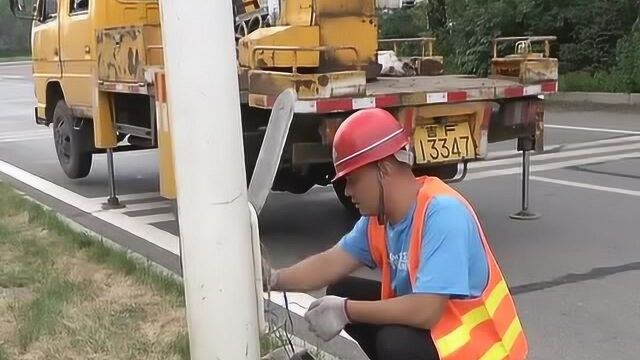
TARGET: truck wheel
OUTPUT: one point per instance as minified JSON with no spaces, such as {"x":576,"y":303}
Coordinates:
{"x":339,"y":189}
{"x":73,"y":156}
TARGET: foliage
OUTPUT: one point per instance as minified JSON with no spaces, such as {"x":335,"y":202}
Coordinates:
{"x":628,"y":60}
{"x":593,"y":35}
{"x":599,"y":82}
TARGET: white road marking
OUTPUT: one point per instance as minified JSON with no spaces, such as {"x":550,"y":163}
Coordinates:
{"x":19,"y":101}
{"x":563,"y":147}
{"x":156,"y":218}
{"x":25,"y":132}
{"x":20,"y":63}
{"x":25,"y":135}
{"x":129,"y":197}
{"x":551,"y":166}
{"x":603,"y":130}
{"x":12,"y":77}
{"x":559,"y":155}
{"x":587,"y":186}
{"x":152,"y":234}
{"x":27,"y":138}
{"x":21,"y":113}
{"x":145,"y":206}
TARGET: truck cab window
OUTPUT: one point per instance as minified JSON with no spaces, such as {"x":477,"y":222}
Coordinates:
{"x":79,"y":6}
{"x":50,"y":9}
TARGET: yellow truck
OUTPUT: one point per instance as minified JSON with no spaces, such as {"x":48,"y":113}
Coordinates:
{"x":99,"y":82}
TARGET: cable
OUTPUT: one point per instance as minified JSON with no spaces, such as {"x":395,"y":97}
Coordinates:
{"x":286,"y":305}
{"x":283,"y":326}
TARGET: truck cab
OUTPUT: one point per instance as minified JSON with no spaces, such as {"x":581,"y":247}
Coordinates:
{"x":65,"y":57}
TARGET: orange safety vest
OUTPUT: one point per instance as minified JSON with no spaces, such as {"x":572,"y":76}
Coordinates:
{"x":483,"y":328}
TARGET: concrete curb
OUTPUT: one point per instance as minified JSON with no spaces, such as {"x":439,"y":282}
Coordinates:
{"x":595,"y":98}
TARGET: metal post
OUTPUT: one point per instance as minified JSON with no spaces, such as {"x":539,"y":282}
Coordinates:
{"x":524,"y":213}
{"x":112,"y":201}
{"x":215,"y":226}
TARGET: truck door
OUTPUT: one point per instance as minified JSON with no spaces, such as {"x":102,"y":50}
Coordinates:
{"x":77,"y":52}
{"x":46,"y":51}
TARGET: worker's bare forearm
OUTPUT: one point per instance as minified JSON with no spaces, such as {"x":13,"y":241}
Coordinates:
{"x":316,"y":271}
{"x":419,"y":311}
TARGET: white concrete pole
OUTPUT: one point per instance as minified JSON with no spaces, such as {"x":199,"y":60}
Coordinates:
{"x":204,"y":111}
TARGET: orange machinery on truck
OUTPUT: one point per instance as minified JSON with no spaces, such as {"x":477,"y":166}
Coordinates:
{"x":99,"y":81}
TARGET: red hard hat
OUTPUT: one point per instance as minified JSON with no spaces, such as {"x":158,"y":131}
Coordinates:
{"x":364,"y":137}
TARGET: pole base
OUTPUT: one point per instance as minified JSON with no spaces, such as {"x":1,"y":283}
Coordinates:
{"x":524,"y":215}
{"x":113,"y":203}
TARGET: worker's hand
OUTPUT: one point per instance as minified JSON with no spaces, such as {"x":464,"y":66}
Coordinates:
{"x":269,"y":276}
{"x":327,"y":317}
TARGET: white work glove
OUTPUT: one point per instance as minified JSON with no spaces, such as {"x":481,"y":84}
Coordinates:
{"x":327,"y":317}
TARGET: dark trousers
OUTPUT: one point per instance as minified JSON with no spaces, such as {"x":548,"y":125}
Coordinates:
{"x":383,"y":342}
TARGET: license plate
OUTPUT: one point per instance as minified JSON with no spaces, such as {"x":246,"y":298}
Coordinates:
{"x":443,"y":143}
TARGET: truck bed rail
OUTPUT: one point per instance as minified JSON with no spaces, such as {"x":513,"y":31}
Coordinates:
{"x":415,"y":91}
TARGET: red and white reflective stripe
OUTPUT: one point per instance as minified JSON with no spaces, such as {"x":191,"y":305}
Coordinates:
{"x":550,"y":87}
{"x":385,"y":101}
{"x":451,"y":96}
{"x":161,"y":89}
{"x":162,"y":111}
{"x":437,"y":98}
{"x":519,"y":91}
{"x":343,"y":104}
{"x":123,"y":88}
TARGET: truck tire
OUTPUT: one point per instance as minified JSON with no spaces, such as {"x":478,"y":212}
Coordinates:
{"x":339,"y":189}
{"x":73,"y":156}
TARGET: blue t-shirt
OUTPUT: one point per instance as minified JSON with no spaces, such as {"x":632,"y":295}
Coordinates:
{"x":453,"y":260}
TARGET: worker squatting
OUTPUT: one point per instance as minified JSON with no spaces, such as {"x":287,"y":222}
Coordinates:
{"x":441,"y":295}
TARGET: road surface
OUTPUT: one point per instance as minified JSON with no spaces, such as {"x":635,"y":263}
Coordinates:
{"x":574,"y":272}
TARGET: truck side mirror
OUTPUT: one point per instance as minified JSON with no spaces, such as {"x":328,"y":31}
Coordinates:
{"x":24,"y":9}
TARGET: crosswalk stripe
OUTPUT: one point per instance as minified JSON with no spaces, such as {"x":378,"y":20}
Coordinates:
{"x":559,"y":155}
{"x":25,"y":133}
{"x":498,"y":155}
{"x":27,"y":138}
{"x":592,"y":129}
{"x":129,"y":197}
{"x":587,"y":186}
{"x":156,"y":218}
{"x":552,"y":166}
{"x":146,"y":206}
{"x":12,"y":77}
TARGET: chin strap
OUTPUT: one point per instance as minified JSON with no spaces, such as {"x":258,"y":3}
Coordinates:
{"x":382,"y":220}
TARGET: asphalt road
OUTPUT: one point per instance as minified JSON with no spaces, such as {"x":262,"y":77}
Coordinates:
{"x":574,"y":272}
